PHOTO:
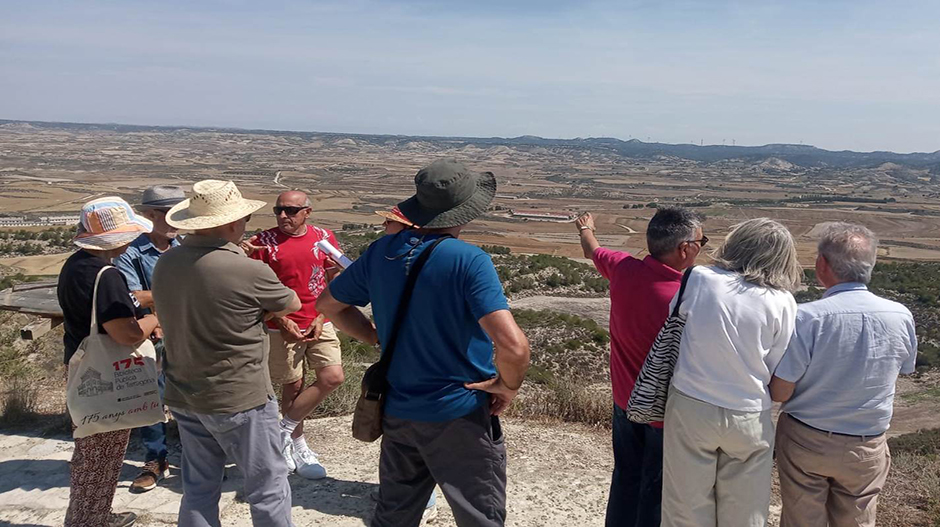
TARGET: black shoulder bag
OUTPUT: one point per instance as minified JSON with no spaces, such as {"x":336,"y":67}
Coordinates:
{"x":367,"y":418}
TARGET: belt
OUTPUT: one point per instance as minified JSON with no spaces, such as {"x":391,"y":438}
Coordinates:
{"x":856,"y":436}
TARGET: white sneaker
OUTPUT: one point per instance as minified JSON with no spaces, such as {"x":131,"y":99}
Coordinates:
{"x":307,"y":464}
{"x":287,"y":449}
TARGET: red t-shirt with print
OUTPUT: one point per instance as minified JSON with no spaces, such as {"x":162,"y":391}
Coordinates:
{"x":299,"y":264}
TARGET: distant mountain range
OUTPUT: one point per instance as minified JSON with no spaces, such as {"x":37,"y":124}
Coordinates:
{"x":803,"y":155}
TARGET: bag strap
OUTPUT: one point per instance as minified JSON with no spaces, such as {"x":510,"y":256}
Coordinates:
{"x":386,"y":358}
{"x":685,"y":280}
{"x":94,"y":301}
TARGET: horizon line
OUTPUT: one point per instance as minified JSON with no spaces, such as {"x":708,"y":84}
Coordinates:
{"x":631,"y":140}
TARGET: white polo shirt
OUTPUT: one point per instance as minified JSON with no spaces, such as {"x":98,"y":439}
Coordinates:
{"x":735,"y":335}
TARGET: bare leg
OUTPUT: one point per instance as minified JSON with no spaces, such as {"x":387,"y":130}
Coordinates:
{"x":328,"y":379}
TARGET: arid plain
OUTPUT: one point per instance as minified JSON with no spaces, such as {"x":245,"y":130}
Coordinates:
{"x":48,"y":169}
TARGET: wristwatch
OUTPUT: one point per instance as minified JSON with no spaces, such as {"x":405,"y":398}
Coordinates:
{"x":585,"y":227}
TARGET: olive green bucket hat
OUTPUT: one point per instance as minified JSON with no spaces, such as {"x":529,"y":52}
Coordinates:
{"x":448,"y":194}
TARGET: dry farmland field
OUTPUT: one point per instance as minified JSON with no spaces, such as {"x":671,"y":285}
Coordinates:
{"x":51,"y":169}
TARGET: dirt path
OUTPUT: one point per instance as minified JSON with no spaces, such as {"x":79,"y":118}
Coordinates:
{"x":558,"y":475}
{"x":597,"y":309}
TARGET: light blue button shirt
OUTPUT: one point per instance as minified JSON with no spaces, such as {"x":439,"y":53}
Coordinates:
{"x":137,"y":262}
{"x":845,"y":357}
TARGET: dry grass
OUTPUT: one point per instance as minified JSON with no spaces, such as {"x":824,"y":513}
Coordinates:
{"x":18,"y":400}
{"x":911,"y":497}
{"x":565,"y":400}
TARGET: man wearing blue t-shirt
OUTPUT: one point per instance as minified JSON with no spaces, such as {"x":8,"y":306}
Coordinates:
{"x":445,"y":388}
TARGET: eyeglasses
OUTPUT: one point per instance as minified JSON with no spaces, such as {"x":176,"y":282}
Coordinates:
{"x":247,"y":218}
{"x":701,"y":243}
{"x":291,"y":211}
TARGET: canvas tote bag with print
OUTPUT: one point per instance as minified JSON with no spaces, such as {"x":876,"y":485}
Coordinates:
{"x":112,"y":386}
{"x":647,"y":402}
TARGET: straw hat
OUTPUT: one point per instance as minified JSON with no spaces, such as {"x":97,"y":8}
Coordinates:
{"x":448,"y":194}
{"x":108,"y":223}
{"x":396,"y":215}
{"x":214,"y":203}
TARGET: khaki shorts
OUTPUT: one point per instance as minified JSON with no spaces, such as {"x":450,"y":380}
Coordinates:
{"x":286,"y":361}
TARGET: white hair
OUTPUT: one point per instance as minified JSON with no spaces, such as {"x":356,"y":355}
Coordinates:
{"x":763,"y":251}
{"x":850,"y":250}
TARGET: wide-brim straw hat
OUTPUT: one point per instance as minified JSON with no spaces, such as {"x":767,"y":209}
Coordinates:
{"x":448,"y":194}
{"x":214,"y":203}
{"x":395,"y":215}
{"x":108,"y":223}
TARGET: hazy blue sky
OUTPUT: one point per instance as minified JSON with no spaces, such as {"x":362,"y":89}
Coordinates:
{"x":857,"y":75}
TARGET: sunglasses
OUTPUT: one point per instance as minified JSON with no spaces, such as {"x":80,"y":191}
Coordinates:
{"x":291,"y":211}
{"x":701,"y":242}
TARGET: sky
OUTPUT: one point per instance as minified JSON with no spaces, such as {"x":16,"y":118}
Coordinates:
{"x":857,"y":75}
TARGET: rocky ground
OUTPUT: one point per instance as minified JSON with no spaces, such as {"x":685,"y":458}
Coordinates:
{"x":558,"y":475}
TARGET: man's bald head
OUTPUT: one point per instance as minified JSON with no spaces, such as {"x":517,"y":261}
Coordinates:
{"x":291,"y":211}
{"x":293,"y":198}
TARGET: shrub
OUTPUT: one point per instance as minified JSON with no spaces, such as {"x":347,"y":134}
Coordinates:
{"x":564,"y":400}
{"x":496,"y":249}
{"x":19,"y":398}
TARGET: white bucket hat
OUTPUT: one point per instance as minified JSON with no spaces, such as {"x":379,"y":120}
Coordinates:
{"x":108,"y":223}
{"x":214,"y":203}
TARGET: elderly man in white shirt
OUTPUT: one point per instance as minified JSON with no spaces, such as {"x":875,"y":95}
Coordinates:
{"x":837,"y":379}
{"x":719,"y":435}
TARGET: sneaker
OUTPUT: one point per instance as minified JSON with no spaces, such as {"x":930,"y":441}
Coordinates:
{"x":287,"y":452}
{"x":430,"y":510}
{"x":308,"y":465}
{"x":121,"y":519}
{"x":152,"y":472}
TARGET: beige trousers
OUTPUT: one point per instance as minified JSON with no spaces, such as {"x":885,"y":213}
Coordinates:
{"x":828,"y":479}
{"x":717,"y":465}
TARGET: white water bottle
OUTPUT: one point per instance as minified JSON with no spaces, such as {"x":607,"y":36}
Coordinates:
{"x":339,"y":257}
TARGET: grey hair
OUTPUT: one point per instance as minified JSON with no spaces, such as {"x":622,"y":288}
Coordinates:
{"x":307,"y":203}
{"x":763,"y":251}
{"x":850,"y":250}
{"x":669,"y":227}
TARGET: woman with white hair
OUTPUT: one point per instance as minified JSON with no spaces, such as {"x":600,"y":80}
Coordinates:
{"x":719,"y":436}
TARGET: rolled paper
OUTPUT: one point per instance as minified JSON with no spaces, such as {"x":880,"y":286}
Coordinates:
{"x":340,"y":258}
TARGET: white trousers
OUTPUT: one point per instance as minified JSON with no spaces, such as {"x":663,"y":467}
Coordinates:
{"x":717,"y":465}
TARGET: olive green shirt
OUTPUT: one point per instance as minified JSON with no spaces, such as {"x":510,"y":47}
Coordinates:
{"x":211,"y":301}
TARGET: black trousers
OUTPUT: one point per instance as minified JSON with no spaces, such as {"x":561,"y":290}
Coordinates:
{"x":636,"y":487}
{"x":465,"y":456}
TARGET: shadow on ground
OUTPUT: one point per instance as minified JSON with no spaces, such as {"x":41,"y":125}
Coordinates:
{"x":334,"y":497}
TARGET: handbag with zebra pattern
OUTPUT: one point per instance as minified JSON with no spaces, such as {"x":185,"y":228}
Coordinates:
{"x":647,"y":402}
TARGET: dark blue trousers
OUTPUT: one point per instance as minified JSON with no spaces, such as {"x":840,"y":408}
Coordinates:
{"x":637,"y":484}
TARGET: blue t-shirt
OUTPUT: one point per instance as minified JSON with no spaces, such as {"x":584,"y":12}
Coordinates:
{"x":441,"y":345}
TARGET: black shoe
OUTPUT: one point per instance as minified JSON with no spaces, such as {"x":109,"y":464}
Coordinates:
{"x":121,"y":519}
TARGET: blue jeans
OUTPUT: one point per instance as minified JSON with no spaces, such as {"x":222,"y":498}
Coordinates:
{"x":154,"y":436}
{"x":637,"y":484}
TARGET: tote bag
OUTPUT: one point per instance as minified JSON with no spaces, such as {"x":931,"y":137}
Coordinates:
{"x":647,"y":402}
{"x":112,"y":386}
